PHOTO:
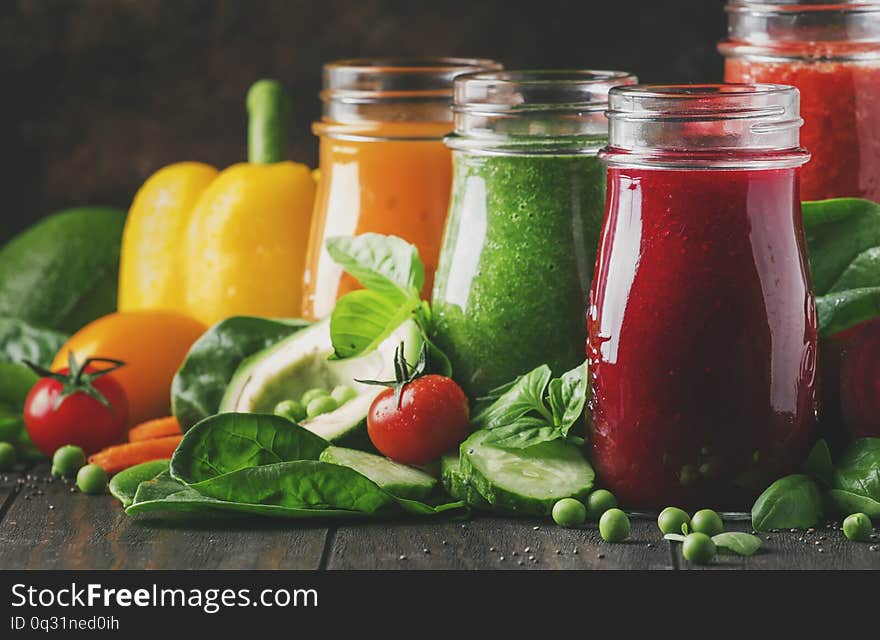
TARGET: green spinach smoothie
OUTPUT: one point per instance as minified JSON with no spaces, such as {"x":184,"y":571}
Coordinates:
{"x":514,"y":274}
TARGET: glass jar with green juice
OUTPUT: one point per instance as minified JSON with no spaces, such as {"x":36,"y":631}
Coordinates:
{"x":520,"y":242}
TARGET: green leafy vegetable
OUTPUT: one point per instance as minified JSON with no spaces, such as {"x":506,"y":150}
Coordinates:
{"x":818,"y":463}
{"x":675,"y":537}
{"x":390,"y":270}
{"x":791,"y":502}
{"x":20,"y":341}
{"x":199,"y":385}
{"x":843,"y":237}
{"x":302,"y":484}
{"x":387,"y":265}
{"x":518,"y":414}
{"x":743,"y":544}
{"x":362,"y":319}
{"x":123,"y":486}
{"x":230,"y":442}
{"x":846,"y":502}
{"x":164,"y":493}
{"x":858,"y":469}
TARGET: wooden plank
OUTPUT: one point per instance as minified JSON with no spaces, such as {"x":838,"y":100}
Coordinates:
{"x":482,"y":542}
{"x":822,"y":548}
{"x":48,"y":527}
{"x":10,"y":485}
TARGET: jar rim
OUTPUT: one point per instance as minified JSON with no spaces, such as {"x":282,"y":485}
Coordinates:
{"x":771,"y":7}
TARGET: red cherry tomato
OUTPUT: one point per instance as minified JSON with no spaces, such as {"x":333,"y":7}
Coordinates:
{"x":80,"y":418}
{"x":432,"y":418}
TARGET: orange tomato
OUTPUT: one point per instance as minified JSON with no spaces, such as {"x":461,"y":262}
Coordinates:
{"x":153,"y":345}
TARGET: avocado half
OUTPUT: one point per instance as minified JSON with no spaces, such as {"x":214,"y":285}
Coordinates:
{"x":304,"y":361}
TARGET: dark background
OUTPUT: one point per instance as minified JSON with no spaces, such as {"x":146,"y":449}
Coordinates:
{"x":98,"y":94}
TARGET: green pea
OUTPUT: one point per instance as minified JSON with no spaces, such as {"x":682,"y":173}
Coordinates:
{"x":671,"y":520}
{"x":708,"y":522}
{"x":342,"y":394}
{"x":290,"y":409}
{"x":698,"y":548}
{"x":614,"y":526}
{"x":91,"y":479}
{"x":569,"y":512}
{"x":7,"y":456}
{"x":321,"y":404}
{"x":598,"y":502}
{"x":311,"y":394}
{"x":67,"y":460}
{"x":858,"y":527}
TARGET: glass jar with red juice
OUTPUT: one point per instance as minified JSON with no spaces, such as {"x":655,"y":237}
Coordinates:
{"x":702,"y":334}
{"x":831,"y":52}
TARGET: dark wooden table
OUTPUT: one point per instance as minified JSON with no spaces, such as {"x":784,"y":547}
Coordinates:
{"x":45,"y":526}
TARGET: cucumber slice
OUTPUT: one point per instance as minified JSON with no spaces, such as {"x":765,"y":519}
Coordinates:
{"x":457,"y":485}
{"x":526,"y":481}
{"x":395,"y":478}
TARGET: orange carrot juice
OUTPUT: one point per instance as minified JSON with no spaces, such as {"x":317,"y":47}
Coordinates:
{"x":383,"y":165}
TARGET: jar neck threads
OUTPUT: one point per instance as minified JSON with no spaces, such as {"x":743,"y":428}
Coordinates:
{"x":533,"y":112}
{"x":359,"y":96}
{"x":705,"y":126}
{"x":803,"y":30}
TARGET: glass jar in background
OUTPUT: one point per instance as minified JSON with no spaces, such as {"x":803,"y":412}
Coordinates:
{"x":831,"y":52}
{"x":527,"y":204}
{"x":383,"y":165}
{"x":702,"y":334}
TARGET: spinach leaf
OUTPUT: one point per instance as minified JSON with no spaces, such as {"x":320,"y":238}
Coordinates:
{"x":124,"y":485}
{"x":20,"y":341}
{"x":858,"y":469}
{"x":818,"y":463}
{"x":790,"y":502}
{"x":198,"y":386}
{"x":568,"y":395}
{"x":388,"y":265}
{"x":164,"y":493}
{"x":843,"y":237}
{"x":743,"y":544}
{"x":845,"y":502}
{"x":525,"y":395}
{"x":522,"y":433}
{"x":302,"y":484}
{"x":363,"y":318}
{"x":229,"y":442}
{"x":16,"y":381}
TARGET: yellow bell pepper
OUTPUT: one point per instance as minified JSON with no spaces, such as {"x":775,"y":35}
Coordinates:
{"x":212,"y":245}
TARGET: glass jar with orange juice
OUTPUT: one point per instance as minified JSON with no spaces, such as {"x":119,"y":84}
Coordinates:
{"x":383,"y":165}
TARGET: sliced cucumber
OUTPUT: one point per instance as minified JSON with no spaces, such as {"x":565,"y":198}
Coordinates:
{"x":395,"y":478}
{"x":527,"y":481}
{"x":457,"y":485}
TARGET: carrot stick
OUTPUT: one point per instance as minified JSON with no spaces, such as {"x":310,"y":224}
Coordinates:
{"x":158,"y":428}
{"x":122,"y":456}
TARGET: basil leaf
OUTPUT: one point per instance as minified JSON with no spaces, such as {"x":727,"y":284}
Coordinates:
{"x":845,"y":502}
{"x":568,"y":395}
{"x":792,"y":502}
{"x":858,"y":469}
{"x":522,"y":433}
{"x":743,"y":544}
{"x":363,"y":318}
{"x":199,"y":384}
{"x":674,"y":537}
{"x":20,"y":341}
{"x":525,"y":395}
{"x":387,"y":265}
{"x":164,"y":493}
{"x":301,"y":484}
{"x":818,"y":463}
{"x":124,"y":485}
{"x":229,"y":442}
{"x":843,"y":237}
